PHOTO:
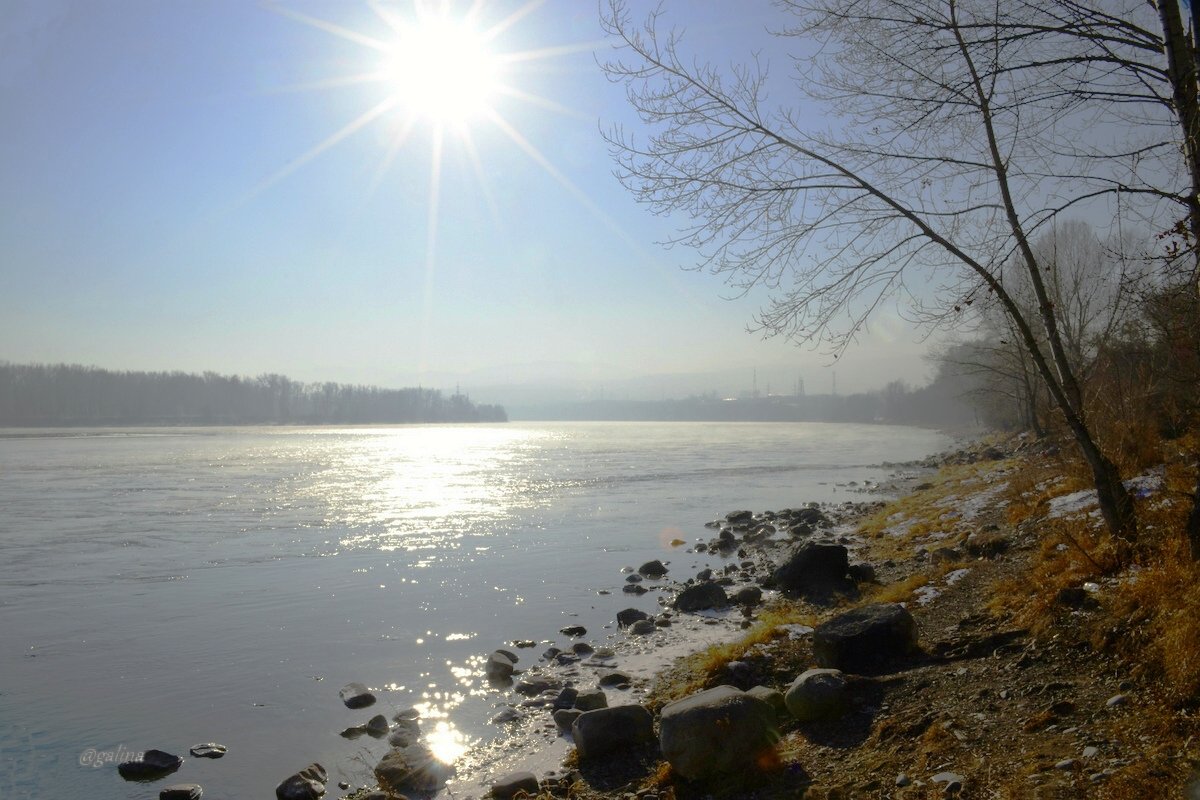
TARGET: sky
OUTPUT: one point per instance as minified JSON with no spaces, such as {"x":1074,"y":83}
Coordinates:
{"x":214,"y":185}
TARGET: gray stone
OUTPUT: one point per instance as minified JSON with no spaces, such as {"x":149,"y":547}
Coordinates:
{"x":747,"y":596}
{"x":605,"y":730}
{"x":715,"y":732}
{"x":628,"y":616}
{"x":643,"y":627}
{"x":355,"y":695}
{"x":573,"y":630}
{"x":378,"y":725}
{"x":181,"y":791}
{"x":865,"y":639}
{"x":505,"y":716}
{"x":700,"y":597}
{"x":1065,"y":764}
{"x":152,"y":765}
{"x":1116,"y":700}
{"x":591,"y":699}
{"x":208,"y":750}
{"x":815,"y":571}
{"x":772,"y":697}
{"x":903,"y":780}
{"x":411,"y":769}
{"x":510,"y":785}
{"x":615,"y":677}
{"x":532,"y":685}
{"x":307,"y":784}
{"x":817,"y":694}
{"x":952,"y":782}
{"x":564,"y":718}
{"x":500,"y":665}
{"x":652,"y":569}
{"x":406,"y":732}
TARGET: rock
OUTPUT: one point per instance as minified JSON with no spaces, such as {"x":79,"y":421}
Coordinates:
{"x":986,"y":544}
{"x":208,"y":750}
{"x":510,"y":785}
{"x":643,"y":627}
{"x":573,"y":630}
{"x":739,"y":517}
{"x":411,"y":769}
{"x":817,"y":694}
{"x":865,"y":639}
{"x":378,"y":725}
{"x":597,"y":733}
{"x":633,"y":588}
{"x":307,"y":784}
{"x":566,"y":698}
{"x":628,"y":616}
{"x":615,"y":677}
{"x":815,"y":571}
{"x":181,"y":791}
{"x":1116,"y":701}
{"x":652,"y":569}
{"x":591,"y":699}
{"x":406,"y":732}
{"x":747,"y":596}
{"x":564,"y":718}
{"x":634,"y":578}
{"x":355,"y":695}
{"x":715,"y":732}
{"x":740,"y":674}
{"x":500,"y":665}
{"x":505,"y":716}
{"x":532,"y":685}
{"x":700,"y":597}
{"x":153,"y":765}
{"x":772,"y":697}
{"x":1066,"y":764}
{"x":952,"y":782}
{"x":861,"y":573}
{"x":945,"y":555}
{"x":582,"y":648}
{"x":523,"y":643}
{"x":1091,"y":751}
{"x":1076,"y":597}
{"x":903,"y":780}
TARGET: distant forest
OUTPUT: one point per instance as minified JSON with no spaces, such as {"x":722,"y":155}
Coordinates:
{"x":60,"y":394}
{"x":942,"y":403}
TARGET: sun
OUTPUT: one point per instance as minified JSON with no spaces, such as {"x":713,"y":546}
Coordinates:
{"x":442,"y":69}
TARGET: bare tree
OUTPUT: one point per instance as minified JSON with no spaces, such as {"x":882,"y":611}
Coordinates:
{"x":965,"y":129}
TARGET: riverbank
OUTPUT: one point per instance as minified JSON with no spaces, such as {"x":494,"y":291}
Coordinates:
{"x":1027,"y":680}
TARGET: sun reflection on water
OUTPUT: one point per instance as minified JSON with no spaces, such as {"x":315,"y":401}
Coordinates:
{"x":422,"y":488}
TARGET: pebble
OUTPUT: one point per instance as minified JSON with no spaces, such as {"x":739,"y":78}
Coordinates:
{"x":181,"y":791}
{"x":903,"y":780}
{"x":1065,"y":764}
{"x":1116,"y":700}
{"x":1091,"y":751}
{"x":208,"y":750}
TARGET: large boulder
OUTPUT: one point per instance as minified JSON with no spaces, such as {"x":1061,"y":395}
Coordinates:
{"x":411,"y":769}
{"x":500,"y":665}
{"x":628,"y":616}
{"x":597,"y":733}
{"x":355,"y":695}
{"x":865,"y":640}
{"x":514,"y":783}
{"x":816,"y":695}
{"x":815,"y":571}
{"x":715,"y":732}
{"x":151,"y":765}
{"x":701,"y":596}
{"x":307,"y":784}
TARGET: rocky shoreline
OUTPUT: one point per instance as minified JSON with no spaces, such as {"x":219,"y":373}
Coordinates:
{"x":559,"y":698}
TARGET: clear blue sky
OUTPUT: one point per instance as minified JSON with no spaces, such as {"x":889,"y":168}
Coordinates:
{"x":167,"y":204}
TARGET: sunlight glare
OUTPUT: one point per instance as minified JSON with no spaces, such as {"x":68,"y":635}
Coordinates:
{"x":442,"y":69}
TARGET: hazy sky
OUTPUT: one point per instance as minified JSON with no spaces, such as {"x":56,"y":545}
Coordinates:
{"x":200,"y":186}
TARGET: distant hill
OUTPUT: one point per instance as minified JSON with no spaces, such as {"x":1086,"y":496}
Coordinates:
{"x":61,"y":394}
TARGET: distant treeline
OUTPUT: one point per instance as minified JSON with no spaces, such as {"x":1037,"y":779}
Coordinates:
{"x":42,"y":395}
{"x":938,"y":404}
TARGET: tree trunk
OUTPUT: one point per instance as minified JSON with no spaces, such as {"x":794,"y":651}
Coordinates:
{"x":1116,"y":504}
{"x":1193,"y":523}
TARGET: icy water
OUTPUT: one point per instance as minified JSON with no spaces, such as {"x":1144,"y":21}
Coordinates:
{"x":164,"y":587}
